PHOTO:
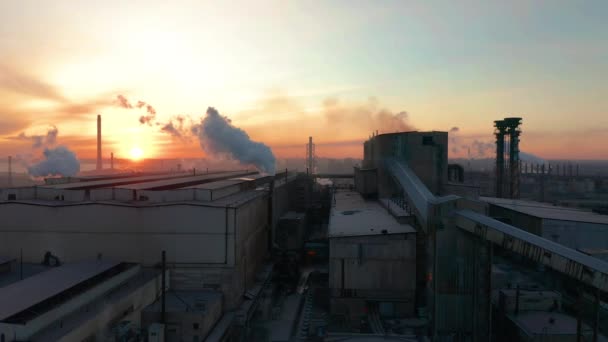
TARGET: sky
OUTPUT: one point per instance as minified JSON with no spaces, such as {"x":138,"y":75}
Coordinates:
{"x":286,"y":70}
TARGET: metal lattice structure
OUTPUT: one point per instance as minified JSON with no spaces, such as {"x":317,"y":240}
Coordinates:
{"x":507,"y":132}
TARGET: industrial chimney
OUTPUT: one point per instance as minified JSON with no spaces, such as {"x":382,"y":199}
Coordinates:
{"x":99,"y":165}
{"x":310,"y":157}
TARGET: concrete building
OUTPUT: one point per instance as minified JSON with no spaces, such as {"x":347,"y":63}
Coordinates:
{"x":574,"y":228}
{"x":372,"y":262}
{"x":425,"y":153}
{"x":76,"y":301}
{"x":215,"y":228}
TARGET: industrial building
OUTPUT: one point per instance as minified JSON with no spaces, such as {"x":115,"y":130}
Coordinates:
{"x":372,"y":261}
{"x":574,"y":228}
{"x":213,"y":227}
{"x":414,"y":254}
{"x":75,"y":301}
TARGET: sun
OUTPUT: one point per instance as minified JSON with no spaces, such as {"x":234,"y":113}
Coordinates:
{"x":136,"y":153}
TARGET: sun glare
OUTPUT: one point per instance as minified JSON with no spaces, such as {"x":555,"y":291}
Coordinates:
{"x":136,"y":153}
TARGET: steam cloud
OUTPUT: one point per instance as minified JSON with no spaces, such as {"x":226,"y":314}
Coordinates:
{"x":176,"y":128}
{"x":59,"y":161}
{"x":218,"y":136}
{"x":148,"y":118}
{"x":41,"y":140}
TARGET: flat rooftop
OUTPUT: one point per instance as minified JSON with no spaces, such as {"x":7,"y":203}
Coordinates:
{"x":547,"y":211}
{"x":108,"y":183}
{"x":176,"y":183}
{"x":22,"y":295}
{"x":217,"y":184}
{"x":547,"y":323}
{"x":352,"y":215}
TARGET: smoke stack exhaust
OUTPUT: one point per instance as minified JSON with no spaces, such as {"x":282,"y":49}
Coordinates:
{"x":99,"y":165}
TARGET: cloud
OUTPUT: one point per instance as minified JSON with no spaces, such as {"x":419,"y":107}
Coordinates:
{"x":15,"y":81}
{"x":282,"y":121}
{"x":38,"y":141}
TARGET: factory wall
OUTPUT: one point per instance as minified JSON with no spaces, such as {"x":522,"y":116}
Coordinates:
{"x":378,"y":268}
{"x":576,"y":234}
{"x":207,"y":247}
{"x":424,"y":152}
{"x":382,"y":262}
{"x":526,"y":222}
{"x":189,"y":233}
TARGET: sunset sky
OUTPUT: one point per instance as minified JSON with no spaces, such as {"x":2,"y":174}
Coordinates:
{"x":284,"y":70}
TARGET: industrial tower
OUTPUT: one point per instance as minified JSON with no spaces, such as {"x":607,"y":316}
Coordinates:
{"x":310,"y":157}
{"x":507,"y":129}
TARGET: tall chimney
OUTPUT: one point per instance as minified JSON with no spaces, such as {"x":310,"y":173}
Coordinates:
{"x":10,"y":171}
{"x":99,"y":165}
{"x":112,"y":160}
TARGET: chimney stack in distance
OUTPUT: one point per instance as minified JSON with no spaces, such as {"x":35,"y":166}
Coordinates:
{"x":99,"y":165}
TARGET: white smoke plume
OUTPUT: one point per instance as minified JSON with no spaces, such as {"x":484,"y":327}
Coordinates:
{"x":218,"y":136}
{"x":59,"y":161}
{"x":469,"y":148}
{"x":41,"y":140}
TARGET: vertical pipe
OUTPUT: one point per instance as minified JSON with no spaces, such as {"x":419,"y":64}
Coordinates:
{"x":21,"y":264}
{"x":579,"y":323}
{"x":10,"y":171}
{"x":596,"y":314}
{"x":99,"y":164}
{"x":517,"y":300}
{"x":163,"y":288}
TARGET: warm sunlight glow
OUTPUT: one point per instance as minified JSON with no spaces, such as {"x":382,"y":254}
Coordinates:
{"x":136,"y":153}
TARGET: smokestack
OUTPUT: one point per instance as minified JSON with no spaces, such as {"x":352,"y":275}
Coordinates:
{"x":10,"y":171}
{"x":112,"y":160}
{"x":99,"y":165}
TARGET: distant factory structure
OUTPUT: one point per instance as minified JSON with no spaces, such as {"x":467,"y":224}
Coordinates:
{"x":402,"y":248}
{"x":214,"y":228}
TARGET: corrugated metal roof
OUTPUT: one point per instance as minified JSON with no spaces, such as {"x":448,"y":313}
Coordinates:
{"x":175,"y":183}
{"x":28,"y":292}
{"x":217,"y":184}
{"x":108,"y":183}
{"x":547,"y":211}
{"x":353,"y":216}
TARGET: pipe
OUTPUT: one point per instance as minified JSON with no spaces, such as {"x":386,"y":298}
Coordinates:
{"x":99,"y":163}
{"x":10,"y":171}
{"x":517,"y":299}
{"x":596,"y":320}
{"x":162,"y":294}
